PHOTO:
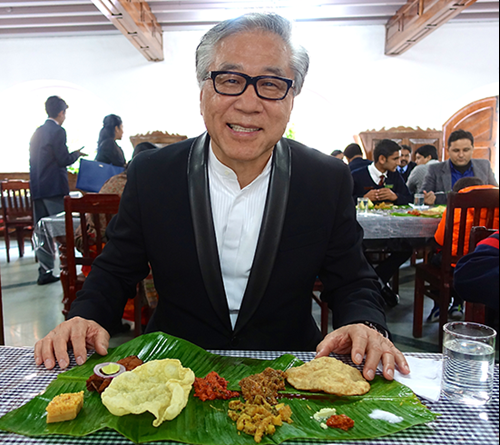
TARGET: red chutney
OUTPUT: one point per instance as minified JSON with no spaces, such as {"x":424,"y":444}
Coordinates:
{"x":340,"y":421}
{"x":212,"y":387}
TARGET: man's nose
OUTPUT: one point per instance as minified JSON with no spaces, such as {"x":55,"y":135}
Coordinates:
{"x":249,"y":101}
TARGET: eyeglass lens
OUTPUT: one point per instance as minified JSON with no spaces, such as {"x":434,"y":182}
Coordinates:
{"x":234,"y":84}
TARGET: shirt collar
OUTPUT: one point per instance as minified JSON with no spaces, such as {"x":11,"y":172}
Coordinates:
{"x":50,"y":119}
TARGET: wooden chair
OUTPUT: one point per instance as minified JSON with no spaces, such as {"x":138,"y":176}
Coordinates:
{"x":17,"y":212}
{"x":436,"y":282}
{"x":476,"y":312}
{"x":318,"y":287}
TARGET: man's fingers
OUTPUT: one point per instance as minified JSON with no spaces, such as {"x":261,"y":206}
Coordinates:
{"x":358,"y":350}
{"x":47,"y":354}
{"x":401,"y":362}
{"x":388,"y":365}
{"x":101,"y":342}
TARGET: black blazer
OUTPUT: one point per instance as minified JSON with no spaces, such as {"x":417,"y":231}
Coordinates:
{"x":363,"y":183}
{"x":309,"y":229}
{"x":110,"y":152}
{"x":49,"y":157}
{"x":358,"y":163}
{"x":406,"y":174}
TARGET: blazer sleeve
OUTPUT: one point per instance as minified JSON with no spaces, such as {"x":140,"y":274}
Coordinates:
{"x":404,"y":195}
{"x":60,"y":150}
{"x":122,"y":264}
{"x":431,"y":182}
{"x":349,"y":282}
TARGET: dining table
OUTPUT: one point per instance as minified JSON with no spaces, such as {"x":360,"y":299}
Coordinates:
{"x":21,"y":380}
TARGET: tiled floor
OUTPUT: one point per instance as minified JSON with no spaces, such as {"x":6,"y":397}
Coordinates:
{"x":31,"y":311}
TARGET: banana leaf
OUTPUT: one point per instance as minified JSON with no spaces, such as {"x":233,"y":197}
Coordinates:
{"x":207,"y":423}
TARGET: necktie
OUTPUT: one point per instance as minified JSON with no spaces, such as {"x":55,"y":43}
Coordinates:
{"x":382,"y":180}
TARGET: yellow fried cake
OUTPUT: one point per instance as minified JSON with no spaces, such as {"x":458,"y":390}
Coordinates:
{"x":329,"y":375}
{"x":64,"y":407}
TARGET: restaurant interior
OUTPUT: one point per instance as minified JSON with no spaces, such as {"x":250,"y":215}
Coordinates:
{"x":368,"y":80}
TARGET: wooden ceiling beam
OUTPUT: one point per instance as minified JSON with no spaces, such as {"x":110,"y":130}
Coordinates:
{"x":417,"y":19}
{"x":135,"y":20}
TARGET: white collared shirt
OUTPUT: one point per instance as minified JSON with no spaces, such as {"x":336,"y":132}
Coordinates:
{"x":375,"y":173}
{"x":237,"y":215}
{"x":52,"y":119}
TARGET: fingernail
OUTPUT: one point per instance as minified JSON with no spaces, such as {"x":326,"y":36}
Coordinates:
{"x":390,"y":372}
{"x":63,"y":363}
{"x":48,"y":363}
{"x":38,"y":360}
{"x":79,"y":360}
{"x":358,"y":358}
{"x":371,"y":374}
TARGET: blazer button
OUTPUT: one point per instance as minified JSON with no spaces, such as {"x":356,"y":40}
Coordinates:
{"x":235,"y":341}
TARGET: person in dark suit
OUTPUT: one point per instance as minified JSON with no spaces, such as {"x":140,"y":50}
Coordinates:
{"x":442,"y":176}
{"x":108,"y":151}
{"x":406,"y":165}
{"x":49,"y":157}
{"x":380,"y":182}
{"x":238,"y":223}
{"x":354,"y":156}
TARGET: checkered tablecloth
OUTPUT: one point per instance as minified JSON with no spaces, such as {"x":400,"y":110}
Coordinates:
{"x":21,"y":380}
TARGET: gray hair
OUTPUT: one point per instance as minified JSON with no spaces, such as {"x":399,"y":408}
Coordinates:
{"x":263,"y":21}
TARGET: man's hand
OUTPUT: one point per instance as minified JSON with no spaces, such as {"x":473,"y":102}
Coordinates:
{"x":360,"y":340}
{"x":429,"y":198}
{"x":81,"y":153}
{"x":383,"y":194}
{"x":81,"y":333}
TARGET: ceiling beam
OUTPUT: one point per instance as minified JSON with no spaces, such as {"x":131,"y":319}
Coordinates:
{"x":137,"y":23}
{"x":417,"y":19}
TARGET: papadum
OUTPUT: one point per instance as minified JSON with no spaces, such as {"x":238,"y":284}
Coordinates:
{"x":329,"y":375}
{"x":160,"y":386}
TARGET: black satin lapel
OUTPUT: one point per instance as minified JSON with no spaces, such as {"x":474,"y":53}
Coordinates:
{"x":204,"y":232}
{"x":270,"y":233}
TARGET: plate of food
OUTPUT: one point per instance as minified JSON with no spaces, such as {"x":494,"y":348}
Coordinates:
{"x":158,"y":387}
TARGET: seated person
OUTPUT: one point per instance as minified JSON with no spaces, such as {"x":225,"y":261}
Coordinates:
{"x":379,"y":181}
{"x":406,"y":165}
{"x":354,"y":156}
{"x":463,"y":185}
{"x":232,"y":226}
{"x":425,"y":156}
{"x":108,"y":151}
{"x":442,"y":177}
{"x":476,"y":274}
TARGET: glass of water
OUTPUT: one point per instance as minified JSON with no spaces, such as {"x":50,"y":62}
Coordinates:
{"x":468,"y":362}
{"x":363,"y":204}
{"x":419,"y":200}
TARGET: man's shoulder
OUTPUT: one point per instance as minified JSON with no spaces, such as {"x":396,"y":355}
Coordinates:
{"x":437,"y":167}
{"x":483,"y":163}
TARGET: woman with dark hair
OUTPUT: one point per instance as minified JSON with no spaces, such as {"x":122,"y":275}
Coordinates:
{"x":108,"y":150}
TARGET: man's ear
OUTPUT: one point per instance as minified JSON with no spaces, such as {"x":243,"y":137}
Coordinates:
{"x":382,"y":160}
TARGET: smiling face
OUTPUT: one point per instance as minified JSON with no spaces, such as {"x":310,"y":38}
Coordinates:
{"x":244,"y":129}
{"x":460,"y":152}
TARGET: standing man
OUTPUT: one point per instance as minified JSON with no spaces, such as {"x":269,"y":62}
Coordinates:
{"x":49,"y":157}
{"x":354,"y":156}
{"x":424,"y":156}
{"x":442,"y":177}
{"x":237,"y":223}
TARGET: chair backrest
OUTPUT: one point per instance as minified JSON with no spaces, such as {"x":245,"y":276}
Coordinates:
{"x":465,"y":210}
{"x":101,"y":208}
{"x":478,"y":234}
{"x":16,"y":201}
{"x":2,"y":338}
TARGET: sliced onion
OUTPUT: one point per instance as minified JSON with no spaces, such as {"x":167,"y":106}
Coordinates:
{"x":98,"y":370}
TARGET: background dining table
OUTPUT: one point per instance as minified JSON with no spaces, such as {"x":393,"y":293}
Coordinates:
{"x":21,"y":380}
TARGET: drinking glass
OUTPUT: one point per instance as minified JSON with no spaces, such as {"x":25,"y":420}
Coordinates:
{"x":419,"y":200}
{"x":363,"y":206}
{"x":468,"y":362}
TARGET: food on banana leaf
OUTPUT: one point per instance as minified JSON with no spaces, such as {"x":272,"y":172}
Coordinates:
{"x":64,"y":407}
{"x":383,"y":206}
{"x":379,"y":414}
{"x":212,"y":387}
{"x":258,"y":418}
{"x":324,"y":414}
{"x":265,"y":384}
{"x":160,"y":386}
{"x":99,"y":381}
{"x":329,"y":375}
{"x":340,"y":421}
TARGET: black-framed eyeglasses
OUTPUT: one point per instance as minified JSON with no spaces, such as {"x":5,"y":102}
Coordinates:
{"x":230,"y":83}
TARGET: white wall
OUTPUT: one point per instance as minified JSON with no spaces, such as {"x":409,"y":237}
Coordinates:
{"x":352,"y":86}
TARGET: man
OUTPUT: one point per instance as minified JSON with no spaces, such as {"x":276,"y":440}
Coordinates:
{"x":441,"y":178}
{"x":339,"y":154}
{"x":406,"y":165}
{"x":49,"y":158}
{"x":425,"y":156}
{"x":379,"y":181}
{"x":354,"y":157}
{"x":237,"y":223}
